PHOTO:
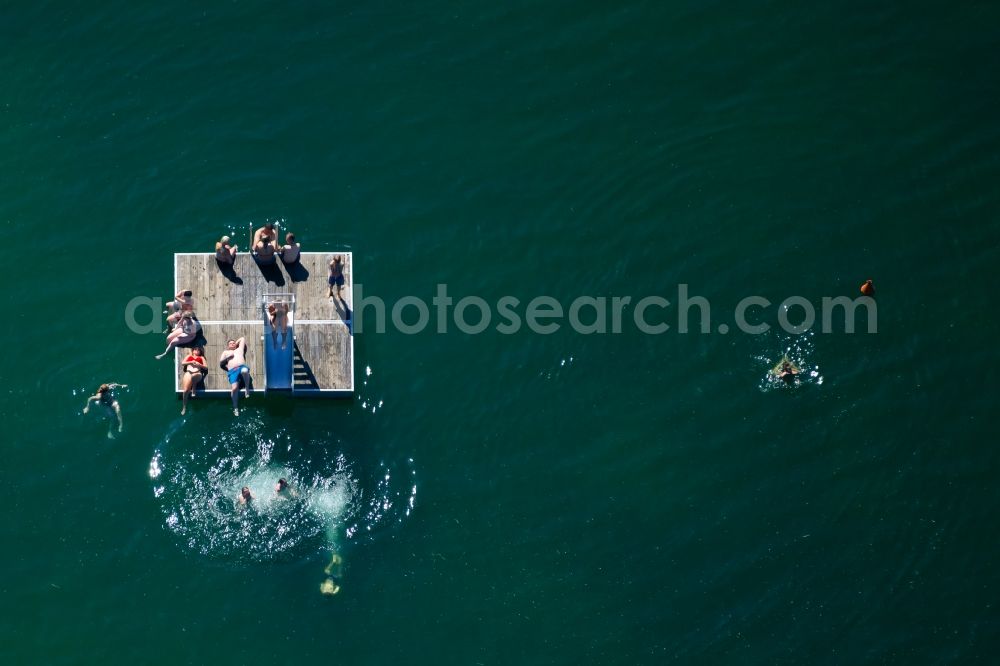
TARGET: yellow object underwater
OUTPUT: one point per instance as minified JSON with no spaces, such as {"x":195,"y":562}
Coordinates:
{"x":334,"y":569}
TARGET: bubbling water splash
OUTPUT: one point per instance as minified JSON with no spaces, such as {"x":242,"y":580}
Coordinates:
{"x":392,"y":502}
{"x":198,"y":480}
{"x":199,"y":488}
{"x":798,"y":351}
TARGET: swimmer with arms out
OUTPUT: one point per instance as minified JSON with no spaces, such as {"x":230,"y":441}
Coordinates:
{"x":105,"y":397}
{"x":236,"y":366}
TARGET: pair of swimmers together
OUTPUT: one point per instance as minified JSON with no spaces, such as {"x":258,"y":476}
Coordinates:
{"x":332,"y":570}
{"x":281,"y":489}
{"x":264,"y":247}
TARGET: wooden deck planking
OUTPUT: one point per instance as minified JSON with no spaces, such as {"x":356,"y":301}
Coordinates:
{"x":226,"y":301}
{"x":235,"y":297}
{"x":215,"y":337}
{"x":323,"y":358}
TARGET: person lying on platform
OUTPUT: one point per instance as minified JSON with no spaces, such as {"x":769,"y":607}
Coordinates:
{"x":290,"y":250}
{"x":185,"y":332}
{"x":194,"y":369}
{"x":235,"y":362}
{"x":106,"y":398}
{"x":266,"y":230}
{"x":224,"y":252}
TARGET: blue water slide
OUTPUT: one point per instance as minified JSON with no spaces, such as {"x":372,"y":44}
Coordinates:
{"x":278,"y":348}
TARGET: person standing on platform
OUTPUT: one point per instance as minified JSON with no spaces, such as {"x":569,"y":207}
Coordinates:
{"x":336,"y":278}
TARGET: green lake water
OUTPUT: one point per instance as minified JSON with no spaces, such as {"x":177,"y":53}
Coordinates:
{"x":510,"y":499}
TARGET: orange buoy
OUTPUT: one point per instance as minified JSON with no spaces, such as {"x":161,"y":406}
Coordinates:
{"x":868,"y":289}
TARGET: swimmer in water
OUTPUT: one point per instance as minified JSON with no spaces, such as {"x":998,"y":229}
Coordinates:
{"x":245,"y":497}
{"x":328,"y":587}
{"x":282,"y":489}
{"x":335,"y":567}
{"x":333,"y":570}
{"x":105,"y":396}
{"x":787,"y":372}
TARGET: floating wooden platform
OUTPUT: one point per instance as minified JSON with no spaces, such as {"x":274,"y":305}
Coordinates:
{"x":228,"y":302}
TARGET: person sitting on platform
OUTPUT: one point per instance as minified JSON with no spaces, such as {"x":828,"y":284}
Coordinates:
{"x":224,"y":252}
{"x":185,"y":332}
{"x":194,"y":370}
{"x":266,"y":230}
{"x":265,"y":250}
{"x":235,"y":363}
{"x":277,"y":315}
{"x":183,"y":302}
{"x":290,"y":250}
